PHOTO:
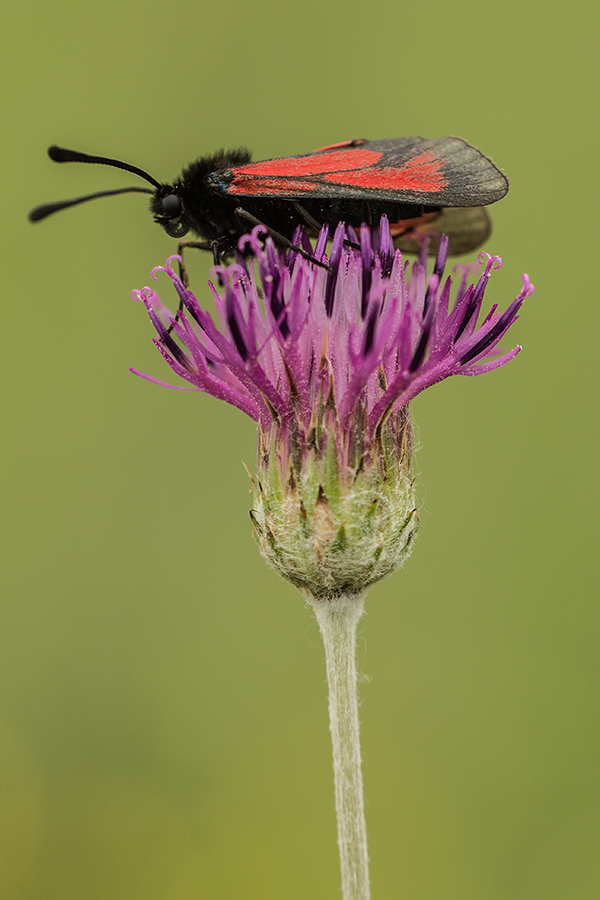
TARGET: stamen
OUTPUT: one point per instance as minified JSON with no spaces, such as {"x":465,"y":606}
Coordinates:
{"x":420,"y":350}
{"x":442,"y":256}
{"x":370,"y":331}
{"x":386,"y":248}
{"x":172,"y":346}
{"x":321,"y":244}
{"x":488,"y":339}
{"x":236,"y":334}
{"x":367,"y":267}
{"x":334,"y":264}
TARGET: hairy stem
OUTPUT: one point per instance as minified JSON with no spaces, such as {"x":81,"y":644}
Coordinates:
{"x":337,"y":620}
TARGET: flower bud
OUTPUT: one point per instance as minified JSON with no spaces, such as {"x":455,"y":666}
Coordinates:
{"x":330,"y":525}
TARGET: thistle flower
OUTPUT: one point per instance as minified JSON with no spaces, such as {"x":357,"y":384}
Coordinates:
{"x":326,"y":359}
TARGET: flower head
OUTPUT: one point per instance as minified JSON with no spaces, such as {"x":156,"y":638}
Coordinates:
{"x":326,"y":360}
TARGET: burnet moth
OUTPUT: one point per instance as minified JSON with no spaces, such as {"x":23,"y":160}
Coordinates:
{"x":437,"y":186}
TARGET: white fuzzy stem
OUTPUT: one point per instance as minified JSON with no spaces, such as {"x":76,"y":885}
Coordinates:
{"x":338,"y":620}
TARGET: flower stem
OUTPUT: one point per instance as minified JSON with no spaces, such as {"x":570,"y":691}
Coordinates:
{"x":337,"y":620}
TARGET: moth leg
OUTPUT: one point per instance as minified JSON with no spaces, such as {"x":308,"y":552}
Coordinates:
{"x":310,"y":220}
{"x":316,"y":225}
{"x":197,"y":245}
{"x":213,"y":247}
{"x":279,"y":238}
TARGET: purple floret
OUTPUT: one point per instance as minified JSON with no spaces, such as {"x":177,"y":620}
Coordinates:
{"x":369,"y":332}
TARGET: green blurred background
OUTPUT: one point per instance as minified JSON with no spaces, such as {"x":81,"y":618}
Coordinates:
{"x":163,"y":711}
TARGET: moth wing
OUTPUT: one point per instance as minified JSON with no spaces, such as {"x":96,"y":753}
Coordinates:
{"x":442,"y":172}
{"x":467,"y":229}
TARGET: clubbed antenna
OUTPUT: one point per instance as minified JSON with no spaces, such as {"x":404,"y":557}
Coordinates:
{"x":61,"y":154}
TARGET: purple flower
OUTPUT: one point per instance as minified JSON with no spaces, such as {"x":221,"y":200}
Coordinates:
{"x":326,"y":359}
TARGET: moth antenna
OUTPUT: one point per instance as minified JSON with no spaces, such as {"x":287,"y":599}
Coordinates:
{"x":46,"y":209}
{"x":61,"y":154}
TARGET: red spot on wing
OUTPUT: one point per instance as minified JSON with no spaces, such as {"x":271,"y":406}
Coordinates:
{"x":403,"y":225}
{"x":341,"y":144}
{"x":274,"y":187}
{"x":423,"y":173}
{"x":313,"y":164}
